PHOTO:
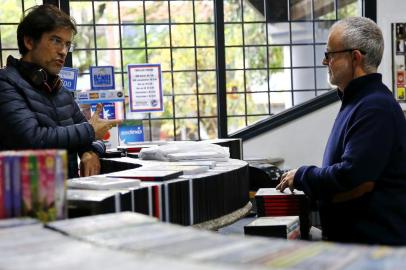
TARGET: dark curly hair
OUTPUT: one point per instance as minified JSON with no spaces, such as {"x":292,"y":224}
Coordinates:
{"x":42,"y":19}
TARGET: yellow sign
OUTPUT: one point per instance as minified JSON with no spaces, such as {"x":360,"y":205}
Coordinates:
{"x":401,"y":93}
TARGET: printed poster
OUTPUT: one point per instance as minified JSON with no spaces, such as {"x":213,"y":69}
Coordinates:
{"x":145,"y":88}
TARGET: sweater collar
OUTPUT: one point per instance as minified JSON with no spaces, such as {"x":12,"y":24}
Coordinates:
{"x":358,"y":86}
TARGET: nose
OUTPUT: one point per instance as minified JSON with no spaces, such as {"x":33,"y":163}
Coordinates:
{"x":63,"y":51}
{"x":325,"y":61}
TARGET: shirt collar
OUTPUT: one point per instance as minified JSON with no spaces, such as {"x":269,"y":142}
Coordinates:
{"x":358,"y":86}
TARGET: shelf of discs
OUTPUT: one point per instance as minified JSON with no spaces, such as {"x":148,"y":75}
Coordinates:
{"x":175,"y":192}
{"x":399,"y":60}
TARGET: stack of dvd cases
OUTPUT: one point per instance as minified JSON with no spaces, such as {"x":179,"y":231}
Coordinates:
{"x":132,"y":241}
{"x":271,"y":203}
{"x":286,"y":227}
{"x":144,"y":198}
{"x":204,"y":193}
{"x":32,"y":183}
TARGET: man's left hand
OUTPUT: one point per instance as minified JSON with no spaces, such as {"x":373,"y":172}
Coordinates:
{"x":287,"y":181}
{"x":89,"y":164}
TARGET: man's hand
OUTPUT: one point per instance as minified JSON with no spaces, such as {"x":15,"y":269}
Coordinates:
{"x":89,"y":164}
{"x":101,"y":126}
{"x":287,"y":181}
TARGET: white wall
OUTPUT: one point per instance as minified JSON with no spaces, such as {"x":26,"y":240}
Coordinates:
{"x":300,"y":142}
{"x":389,"y":11}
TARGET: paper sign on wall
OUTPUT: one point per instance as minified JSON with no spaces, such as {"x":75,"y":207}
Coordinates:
{"x":102,"y":78}
{"x":145,"y":88}
{"x":69,"y":77}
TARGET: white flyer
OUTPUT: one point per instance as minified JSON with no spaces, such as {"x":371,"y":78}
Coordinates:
{"x":145,"y":88}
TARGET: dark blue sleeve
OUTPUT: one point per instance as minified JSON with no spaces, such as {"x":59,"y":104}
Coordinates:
{"x":368,"y":143}
{"x":97,"y":146}
{"x":21,"y":130}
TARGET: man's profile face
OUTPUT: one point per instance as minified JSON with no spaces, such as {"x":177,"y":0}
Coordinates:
{"x":339,"y":64}
{"x":51,"y":50}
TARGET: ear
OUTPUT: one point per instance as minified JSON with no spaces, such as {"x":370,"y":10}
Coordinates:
{"x":29,"y":43}
{"x":356,"y":56}
{"x":358,"y":63}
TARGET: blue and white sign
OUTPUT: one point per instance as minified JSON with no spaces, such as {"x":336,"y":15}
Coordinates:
{"x":102,"y":78}
{"x":145,"y":88}
{"x":130,"y":132}
{"x":108,"y":112}
{"x":99,"y":96}
{"x":69,"y":77}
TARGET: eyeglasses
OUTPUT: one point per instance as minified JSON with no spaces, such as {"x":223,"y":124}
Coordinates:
{"x":327,"y":54}
{"x":58,"y":43}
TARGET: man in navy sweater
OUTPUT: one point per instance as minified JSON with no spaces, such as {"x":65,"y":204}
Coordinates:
{"x":361,"y":186}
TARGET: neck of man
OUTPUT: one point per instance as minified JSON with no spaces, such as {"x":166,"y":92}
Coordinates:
{"x":27,"y":58}
{"x":358,"y":72}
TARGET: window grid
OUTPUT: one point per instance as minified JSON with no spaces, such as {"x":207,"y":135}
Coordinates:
{"x":312,"y":67}
{"x":243,"y":61}
{"x":148,"y":118}
{"x":198,"y":72}
{"x":13,"y":48}
{"x":267,"y":67}
{"x":314,"y":53}
{"x":173,"y":80}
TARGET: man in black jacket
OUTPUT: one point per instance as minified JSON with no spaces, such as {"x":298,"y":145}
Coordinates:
{"x":36,"y":111}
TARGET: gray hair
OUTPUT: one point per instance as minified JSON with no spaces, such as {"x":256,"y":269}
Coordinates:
{"x":363,"y":34}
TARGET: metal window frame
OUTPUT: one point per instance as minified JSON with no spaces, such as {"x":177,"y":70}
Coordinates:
{"x":148,"y":118}
{"x":368,"y":9}
{"x":297,"y":111}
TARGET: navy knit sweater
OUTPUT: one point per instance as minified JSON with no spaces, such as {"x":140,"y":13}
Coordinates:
{"x":361,"y":186}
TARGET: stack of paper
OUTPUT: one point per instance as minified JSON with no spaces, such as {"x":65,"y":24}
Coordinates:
{"x":102,"y":183}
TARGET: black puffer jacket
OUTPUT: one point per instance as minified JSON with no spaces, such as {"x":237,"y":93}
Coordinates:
{"x":36,"y":119}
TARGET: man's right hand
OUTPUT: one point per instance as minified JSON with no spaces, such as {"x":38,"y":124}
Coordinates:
{"x":101,"y":126}
{"x":287,"y":181}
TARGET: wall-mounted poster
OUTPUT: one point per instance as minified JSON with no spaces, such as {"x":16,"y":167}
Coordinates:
{"x":400,"y":38}
{"x":145,"y":88}
{"x":399,"y":60}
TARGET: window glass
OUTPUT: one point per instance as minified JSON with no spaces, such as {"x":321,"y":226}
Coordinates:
{"x":271,"y":64}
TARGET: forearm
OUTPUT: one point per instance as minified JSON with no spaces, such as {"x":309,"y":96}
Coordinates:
{"x":72,"y":137}
{"x":98,"y":147}
{"x":367,"y":148}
